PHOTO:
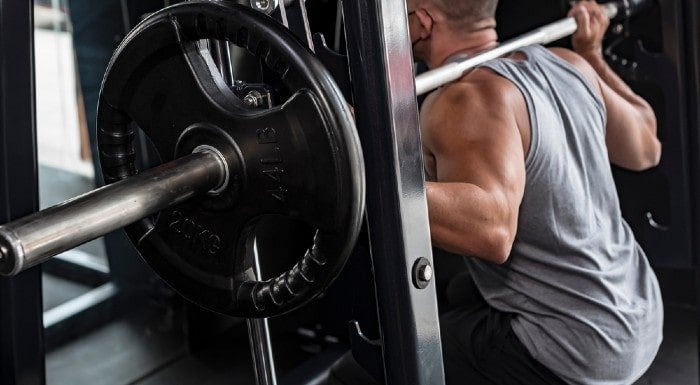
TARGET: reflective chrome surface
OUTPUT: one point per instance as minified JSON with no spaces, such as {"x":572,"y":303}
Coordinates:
{"x":259,"y":338}
{"x":221,"y":54}
{"x":307,"y":27}
{"x":379,"y":53}
{"x":261,"y":350}
{"x":433,"y":79}
{"x":413,"y":206}
{"x":34,"y":239}
{"x":265,"y":6}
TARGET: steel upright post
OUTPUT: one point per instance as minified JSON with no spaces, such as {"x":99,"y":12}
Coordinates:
{"x":384,"y":97}
{"x":21,"y":328}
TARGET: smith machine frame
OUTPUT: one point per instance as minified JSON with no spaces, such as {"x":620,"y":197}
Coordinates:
{"x":387,"y":119}
{"x":379,"y":54}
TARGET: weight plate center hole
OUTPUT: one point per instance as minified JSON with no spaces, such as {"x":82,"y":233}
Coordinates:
{"x":225,"y":172}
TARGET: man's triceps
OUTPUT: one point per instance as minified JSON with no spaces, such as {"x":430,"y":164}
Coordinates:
{"x":479,"y":169}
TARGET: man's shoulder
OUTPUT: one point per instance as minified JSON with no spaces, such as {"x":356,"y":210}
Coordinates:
{"x":483,"y":81}
{"x":477,"y":107}
{"x":479,"y":88}
{"x":568,"y":55}
{"x":576,"y":61}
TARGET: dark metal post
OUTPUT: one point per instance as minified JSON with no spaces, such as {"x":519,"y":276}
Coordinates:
{"x":21,"y":329}
{"x":381,"y":67}
{"x":692,"y":31}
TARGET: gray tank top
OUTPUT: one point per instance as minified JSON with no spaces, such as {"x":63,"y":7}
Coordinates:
{"x":586,"y":302}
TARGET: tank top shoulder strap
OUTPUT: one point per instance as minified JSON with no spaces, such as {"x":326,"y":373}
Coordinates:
{"x":512,"y":70}
{"x":546,"y":59}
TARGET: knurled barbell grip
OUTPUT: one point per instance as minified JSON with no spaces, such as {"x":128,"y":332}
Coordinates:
{"x":34,"y":239}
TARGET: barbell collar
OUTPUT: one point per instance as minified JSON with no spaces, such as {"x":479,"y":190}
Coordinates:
{"x":36,"y":238}
{"x":448,"y":73}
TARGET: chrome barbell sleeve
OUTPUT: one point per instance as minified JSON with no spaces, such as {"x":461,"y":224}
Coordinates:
{"x":34,"y":239}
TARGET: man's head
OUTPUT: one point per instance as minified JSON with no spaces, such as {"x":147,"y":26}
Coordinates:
{"x":460,"y":14}
{"x":440,"y":24}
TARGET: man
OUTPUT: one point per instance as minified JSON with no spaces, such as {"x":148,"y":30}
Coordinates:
{"x":517,"y":153}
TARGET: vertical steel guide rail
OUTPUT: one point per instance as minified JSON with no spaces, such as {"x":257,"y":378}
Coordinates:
{"x":258,"y":329}
{"x":259,"y":337}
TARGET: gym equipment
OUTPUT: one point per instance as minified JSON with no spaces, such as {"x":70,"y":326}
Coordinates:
{"x":224,"y":165}
{"x":438,"y":77}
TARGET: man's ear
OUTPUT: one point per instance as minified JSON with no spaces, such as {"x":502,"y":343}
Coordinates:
{"x":426,"y":22}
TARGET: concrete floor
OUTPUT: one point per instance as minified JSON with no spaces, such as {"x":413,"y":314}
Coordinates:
{"x":142,"y":349}
{"x":122,"y":352}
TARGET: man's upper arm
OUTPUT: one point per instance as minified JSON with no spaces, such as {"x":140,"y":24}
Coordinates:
{"x":630,"y":133}
{"x":472,"y":134}
{"x":474,"y":138}
{"x":629,"y":145}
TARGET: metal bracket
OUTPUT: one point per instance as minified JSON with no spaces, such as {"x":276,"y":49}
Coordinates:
{"x":335,"y":63}
{"x":366,"y":352}
{"x":254,"y":95}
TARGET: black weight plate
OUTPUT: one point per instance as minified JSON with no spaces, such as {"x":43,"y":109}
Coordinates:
{"x":301,"y":160}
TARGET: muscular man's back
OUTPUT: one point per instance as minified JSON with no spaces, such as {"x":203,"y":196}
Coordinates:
{"x":587,"y":303}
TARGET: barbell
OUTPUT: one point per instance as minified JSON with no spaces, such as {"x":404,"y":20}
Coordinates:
{"x":452,"y":71}
{"x":225,"y":166}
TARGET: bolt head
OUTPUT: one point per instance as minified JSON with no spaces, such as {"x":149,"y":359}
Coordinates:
{"x":253,"y":99}
{"x":250,"y":101}
{"x":266,"y":6}
{"x":422,"y":273}
{"x":425,"y":273}
{"x":618,"y":29}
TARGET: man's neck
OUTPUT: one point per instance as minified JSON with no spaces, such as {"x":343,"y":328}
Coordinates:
{"x":466,"y":44}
